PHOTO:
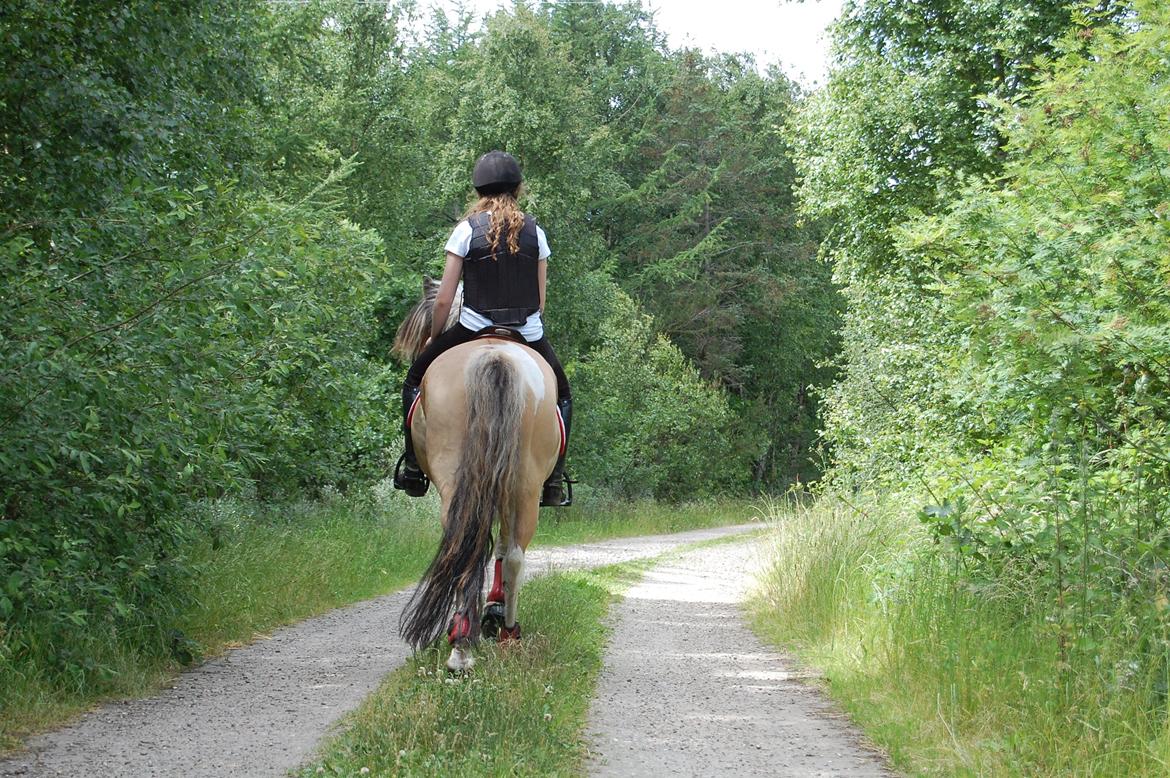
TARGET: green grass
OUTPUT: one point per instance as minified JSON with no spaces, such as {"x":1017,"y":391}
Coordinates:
{"x":261,"y":567}
{"x":600,"y":519}
{"x":520,"y":711}
{"x":949,"y":676}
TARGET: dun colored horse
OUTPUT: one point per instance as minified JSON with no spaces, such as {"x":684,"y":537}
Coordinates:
{"x":486,"y":433}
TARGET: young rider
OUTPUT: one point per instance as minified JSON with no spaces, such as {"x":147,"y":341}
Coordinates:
{"x":501,"y":255}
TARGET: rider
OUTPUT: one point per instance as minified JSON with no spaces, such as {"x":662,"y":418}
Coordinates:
{"x":501,"y":255}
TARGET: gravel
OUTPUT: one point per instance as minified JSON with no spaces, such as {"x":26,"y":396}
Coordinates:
{"x":687,"y":689}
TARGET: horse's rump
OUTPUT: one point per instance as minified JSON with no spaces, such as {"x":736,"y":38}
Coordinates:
{"x":489,"y":442}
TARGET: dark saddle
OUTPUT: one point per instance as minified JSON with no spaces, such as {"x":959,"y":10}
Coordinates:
{"x":501,"y":331}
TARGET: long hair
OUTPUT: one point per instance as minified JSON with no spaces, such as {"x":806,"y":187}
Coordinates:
{"x":507,"y":218}
{"x":486,"y":485}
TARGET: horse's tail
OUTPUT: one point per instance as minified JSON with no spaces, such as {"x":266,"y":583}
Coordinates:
{"x":486,"y":485}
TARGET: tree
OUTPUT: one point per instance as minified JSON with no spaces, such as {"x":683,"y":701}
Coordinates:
{"x":904,"y":120}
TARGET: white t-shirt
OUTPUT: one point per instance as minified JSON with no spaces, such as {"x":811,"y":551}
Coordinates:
{"x":460,"y":244}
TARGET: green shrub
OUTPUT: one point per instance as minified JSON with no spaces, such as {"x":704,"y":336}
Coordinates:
{"x":170,"y":330}
{"x":649,"y":424}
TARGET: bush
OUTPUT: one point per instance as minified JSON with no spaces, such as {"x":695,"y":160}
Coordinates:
{"x":647,"y":424}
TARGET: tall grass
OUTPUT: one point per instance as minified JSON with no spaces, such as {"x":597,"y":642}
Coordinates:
{"x":262,"y":567}
{"x":952,"y":673}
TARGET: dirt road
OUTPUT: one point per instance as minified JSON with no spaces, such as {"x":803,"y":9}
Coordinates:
{"x":260,"y":710}
{"x":687,"y":689}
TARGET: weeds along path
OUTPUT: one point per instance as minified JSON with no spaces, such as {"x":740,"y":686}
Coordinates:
{"x":687,"y":689}
{"x":260,"y":710}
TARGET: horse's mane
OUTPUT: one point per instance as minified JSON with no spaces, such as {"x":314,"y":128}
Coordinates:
{"x":416,"y":327}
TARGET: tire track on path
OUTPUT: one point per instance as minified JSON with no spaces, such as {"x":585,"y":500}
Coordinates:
{"x":261,"y":710}
{"x":688,"y":689}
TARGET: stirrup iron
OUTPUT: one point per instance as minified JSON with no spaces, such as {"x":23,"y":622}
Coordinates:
{"x":411,"y":480}
{"x":557,"y":493}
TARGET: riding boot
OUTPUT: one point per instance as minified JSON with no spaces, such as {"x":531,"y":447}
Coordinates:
{"x":408,"y":476}
{"x":558,"y":488}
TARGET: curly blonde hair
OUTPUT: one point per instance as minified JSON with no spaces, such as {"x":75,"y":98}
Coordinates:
{"x":507,"y":218}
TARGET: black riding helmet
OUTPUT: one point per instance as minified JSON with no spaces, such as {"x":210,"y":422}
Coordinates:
{"x":496,"y":172}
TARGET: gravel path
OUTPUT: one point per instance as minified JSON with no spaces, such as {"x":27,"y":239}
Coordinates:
{"x":260,"y":710}
{"x":687,"y":689}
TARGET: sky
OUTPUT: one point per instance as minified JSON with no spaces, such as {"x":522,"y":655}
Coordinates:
{"x":789,"y":33}
{"x":784,"y":32}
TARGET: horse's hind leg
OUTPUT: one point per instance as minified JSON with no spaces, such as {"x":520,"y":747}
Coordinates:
{"x":513,"y":565}
{"x":493,"y":611}
{"x":460,"y":660}
{"x":497,"y":592}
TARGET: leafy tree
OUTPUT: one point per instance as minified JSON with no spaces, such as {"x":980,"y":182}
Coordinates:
{"x":903,"y":121}
{"x":708,"y":241}
{"x":171,"y":330}
{"x":667,"y":433}
{"x":1055,"y":281}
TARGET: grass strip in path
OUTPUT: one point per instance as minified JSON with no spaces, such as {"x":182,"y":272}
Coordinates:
{"x":521,"y":710}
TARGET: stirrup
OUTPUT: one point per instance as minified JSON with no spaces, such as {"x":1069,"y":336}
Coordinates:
{"x":557,"y":493}
{"x":411,"y":480}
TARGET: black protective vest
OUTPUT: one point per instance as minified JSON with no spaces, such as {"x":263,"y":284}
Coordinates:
{"x":501,"y":286}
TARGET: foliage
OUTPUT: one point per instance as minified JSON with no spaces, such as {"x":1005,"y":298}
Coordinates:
{"x":1005,"y":359}
{"x":902,"y":123}
{"x":1055,"y":278}
{"x":171,"y":331}
{"x":988,"y":358}
{"x":639,"y":397}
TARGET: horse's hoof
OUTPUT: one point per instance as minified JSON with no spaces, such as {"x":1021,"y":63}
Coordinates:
{"x":510,"y":634}
{"x":461,"y":660}
{"x":492,"y":621}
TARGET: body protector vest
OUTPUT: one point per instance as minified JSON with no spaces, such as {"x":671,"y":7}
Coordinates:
{"x":502,"y":286}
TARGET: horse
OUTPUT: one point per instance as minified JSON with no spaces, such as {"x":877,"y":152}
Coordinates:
{"x":486,"y":432}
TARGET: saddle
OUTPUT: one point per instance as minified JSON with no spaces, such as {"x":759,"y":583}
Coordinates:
{"x":501,"y":331}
